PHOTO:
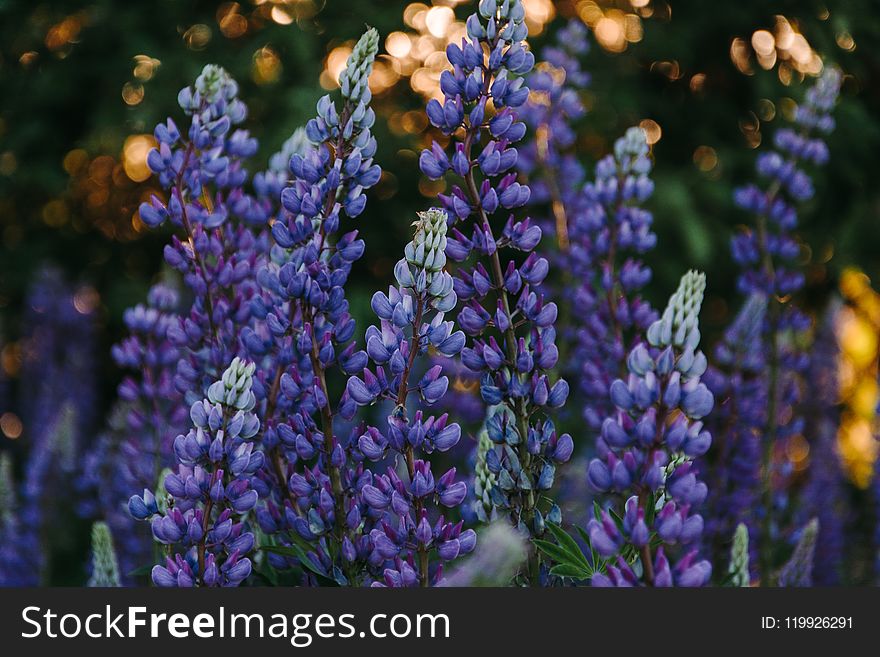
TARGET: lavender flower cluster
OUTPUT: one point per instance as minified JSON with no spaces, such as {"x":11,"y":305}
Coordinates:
{"x":261,"y":435}
{"x":647,"y":451}
{"x":765,"y":365}
{"x":511,"y":325}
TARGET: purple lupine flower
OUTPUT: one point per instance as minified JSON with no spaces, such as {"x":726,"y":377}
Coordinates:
{"x":57,"y":393}
{"x":511,"y":325}
{"x":150,"y":412}
{"x":546,"y":159}
{"x":305,"y":333}
{"x":767,"y":255}
{"x":824,"y":494}
{"x":647,"y":452}
{"x":733,"y":466}
{"x":48,"y":473}
{"x":412,"y":323}
{"x":212,"y":489}
{"x":222,"y":224}
{"x":607,"y":239}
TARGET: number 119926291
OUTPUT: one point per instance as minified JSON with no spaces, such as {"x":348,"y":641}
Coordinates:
{"x":807,"y":623}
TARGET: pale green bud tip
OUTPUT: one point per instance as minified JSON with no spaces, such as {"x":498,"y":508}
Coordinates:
{"x":428,"y":247}
{"x":739,"y":557}
{"x":62,"y":438}
{"x":431,"y":222}
{"x":353,"y":79}
{"x":105,"y":568}
{"x":679,"y":324}
{"x":212,"y":81}
{"x":484,"y":479}
{"x":798,"y":571}
{"x":634,"y":143}
{"x":234,"y":388}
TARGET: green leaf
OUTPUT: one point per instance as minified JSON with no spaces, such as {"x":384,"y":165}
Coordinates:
{"x":568,"y":543}
{"x":555,"y":552}
{"x":569,"y":570}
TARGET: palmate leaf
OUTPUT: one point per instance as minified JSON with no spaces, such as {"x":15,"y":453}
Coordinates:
{"x":567,"y":556}
{"x":569,"y":570}
{"x":598,"y":563}
{"x":555,"y":552}
{"x":568,"y":543}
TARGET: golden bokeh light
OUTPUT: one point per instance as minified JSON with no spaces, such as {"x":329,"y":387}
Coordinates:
{"x":266,"y":67}
{"x":697,"y":83}
{"x":231,"y":22}
{"x":613,"y":28}
{"x":145,"y":67}
{"x":335,"y":64}
{"x":134,"y":156}
{"x":398,"y":44}
{"x":845,"y":41}
{"x":11,"y":425}
{"x":86,"y":300}
{"x":285,"y":12}
{"x":132,"y":93}
{"x":66,"y":32}
{"x":197,"y":37}
{"x":857,"y":327}
{"x":538,"y":14}
{"x":653,"y":133}
{"x":705,"y":158}
{"x":784,"y":46}
{"x":438,"y":20}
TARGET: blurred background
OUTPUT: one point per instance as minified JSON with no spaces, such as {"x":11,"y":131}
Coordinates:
{"x":82,"y":83}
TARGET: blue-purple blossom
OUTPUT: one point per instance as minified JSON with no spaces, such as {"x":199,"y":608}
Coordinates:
{"x":608,"y":237}
{"x":510,"y":324}
{"x":647,"y":454}
{"x":767,"y":253}
{"x":412,"y":322}
{"x":547,"y":157}
{"x":824,"y":494}
{"x":206,"y":527}
{"x":304,"y":333}
{"x":733,"y":466}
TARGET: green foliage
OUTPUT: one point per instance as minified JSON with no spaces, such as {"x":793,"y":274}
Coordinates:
{"x":567,"y":557}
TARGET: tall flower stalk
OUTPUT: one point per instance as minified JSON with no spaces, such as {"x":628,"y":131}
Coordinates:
{"x":824,"y":494}
{"x":647,"y":454}
{"x":734,"y":464}
{"x":547,"y":157}
{"x":216,"y":251}
{"x":511,"y":326}
{"x":305,"y":322}
{"x":211,"y":490}
{"x":608,"y":239}
{"x":767,"y":253}
{"x":412,"y":323}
